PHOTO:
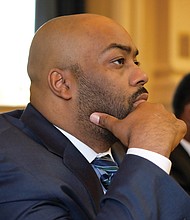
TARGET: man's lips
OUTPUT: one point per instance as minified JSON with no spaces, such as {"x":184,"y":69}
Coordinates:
{"x":141,"y":98}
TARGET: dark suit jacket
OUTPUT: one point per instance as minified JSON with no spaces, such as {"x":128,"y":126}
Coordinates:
{"x":181,"y":167}
{"x":44,"y":177}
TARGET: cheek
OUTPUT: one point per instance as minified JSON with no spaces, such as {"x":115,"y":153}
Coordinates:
{"x":121,"y":86}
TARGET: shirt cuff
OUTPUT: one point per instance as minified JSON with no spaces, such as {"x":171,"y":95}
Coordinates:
{"x":163,"y":162}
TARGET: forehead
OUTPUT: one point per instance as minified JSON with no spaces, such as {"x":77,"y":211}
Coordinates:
{"x":107,"y":37}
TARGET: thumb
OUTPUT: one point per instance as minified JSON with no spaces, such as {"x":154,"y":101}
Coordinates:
{"x":117,"y":127}
{"x":104,"y":120}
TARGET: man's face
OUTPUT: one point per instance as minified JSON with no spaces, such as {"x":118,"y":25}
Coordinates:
{"x":109,"y":78}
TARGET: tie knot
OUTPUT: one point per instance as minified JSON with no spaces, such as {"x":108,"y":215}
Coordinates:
{"x":105,"y":163}
{"x":107,"y":168}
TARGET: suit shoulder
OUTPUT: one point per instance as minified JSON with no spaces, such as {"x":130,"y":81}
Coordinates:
{"x":9,"y":119}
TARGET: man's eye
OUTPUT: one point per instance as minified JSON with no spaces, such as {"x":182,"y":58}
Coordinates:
{"x":120,"y":61}
{"x":137,"y":63}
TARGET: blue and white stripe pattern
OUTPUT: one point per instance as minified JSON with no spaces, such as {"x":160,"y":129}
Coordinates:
{"x":107,"y":168}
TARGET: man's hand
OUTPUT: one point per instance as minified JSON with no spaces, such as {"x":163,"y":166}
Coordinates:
{"x":149,"y":126}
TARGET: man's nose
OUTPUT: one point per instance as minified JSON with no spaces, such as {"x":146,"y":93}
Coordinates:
{"x":138,"y":77}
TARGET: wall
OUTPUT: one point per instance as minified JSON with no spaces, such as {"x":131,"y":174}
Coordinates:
{"x":160,"y":29}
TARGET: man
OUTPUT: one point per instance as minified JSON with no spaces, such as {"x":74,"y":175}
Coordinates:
{"x":87,"y":94}
{"x":180,"y":157}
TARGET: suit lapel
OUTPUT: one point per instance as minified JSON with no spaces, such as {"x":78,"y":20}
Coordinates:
{"x":38,"y":128}
{"x":75,"y":161}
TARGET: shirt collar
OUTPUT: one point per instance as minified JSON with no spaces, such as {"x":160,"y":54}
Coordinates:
{"x":186,"y":145}
{"x":85,"y":150}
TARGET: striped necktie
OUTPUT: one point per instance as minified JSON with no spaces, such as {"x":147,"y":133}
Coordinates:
{"x":107,"y":168}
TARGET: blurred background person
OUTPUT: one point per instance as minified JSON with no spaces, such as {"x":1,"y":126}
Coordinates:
{"x":180,"y":157}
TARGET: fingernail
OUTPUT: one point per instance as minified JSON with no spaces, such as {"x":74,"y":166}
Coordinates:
{"x":95,"y":118}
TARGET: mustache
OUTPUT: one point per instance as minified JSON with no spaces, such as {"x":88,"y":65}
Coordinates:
{"x":138,"y":92}
{"x":133,"y":98}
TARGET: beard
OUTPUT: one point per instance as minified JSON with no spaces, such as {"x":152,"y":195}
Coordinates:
{"x":99,"y":96}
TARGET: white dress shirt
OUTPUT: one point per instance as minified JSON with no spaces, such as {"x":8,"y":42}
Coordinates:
{"x":159,"y":160}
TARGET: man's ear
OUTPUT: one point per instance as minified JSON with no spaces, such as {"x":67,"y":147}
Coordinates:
{"x":60,"y":83}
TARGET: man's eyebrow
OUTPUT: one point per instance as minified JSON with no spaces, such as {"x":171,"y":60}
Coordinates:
{"x":128,"y":49}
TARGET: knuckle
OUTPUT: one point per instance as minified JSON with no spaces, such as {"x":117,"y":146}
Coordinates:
{"x":183,"y":126}
{"x":104,"y":120}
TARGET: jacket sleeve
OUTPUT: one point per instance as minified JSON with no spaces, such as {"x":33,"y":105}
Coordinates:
{"x":141,"y":191}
